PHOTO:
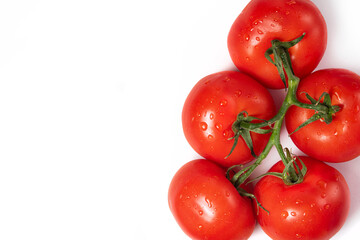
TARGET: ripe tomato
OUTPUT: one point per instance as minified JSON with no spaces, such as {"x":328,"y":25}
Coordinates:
{"x":338,"y":141}
{"x":211,"y":108}
{"x":207,"y":206}
{"x":262,"y":21}
{"x":314,"y":209}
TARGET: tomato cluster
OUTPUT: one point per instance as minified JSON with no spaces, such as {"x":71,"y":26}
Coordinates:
{"x":229,"y":118}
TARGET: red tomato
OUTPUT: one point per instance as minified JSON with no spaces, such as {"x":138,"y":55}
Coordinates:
{"x":262,"y":21}
{"x":207,"y":206}
{"x":338,"y":141}
{"x":314,"y":209}
{"x":211,"y":108}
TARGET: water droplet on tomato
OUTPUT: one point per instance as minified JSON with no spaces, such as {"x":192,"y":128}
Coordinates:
{"x":257,"y":21}
{"x":219,"y":126}
{"x":247,"y":37}
{"x":298,"y":235}
{"x":200,"y":226}
{"x":312,"y":205}
{"x":208,"y":202}
{"x":322,"y":184}
{"x":228,"y":134}
{"x":203,"y":126}
{"x":210,"y":137}
{"x":327,"y":206}
{"x":200,"y":213}
{"x":298,"y":202}
{"x":223,"y":103}
{"x":323,"y":195}
{"x":337,"y":178}
{"x":257,"y":39}
{"x":260,"y":32}
{"x":227,"y":79}
{"x":227,"y":194}
{"x":212,"y":116}
{"x":336,"y":133}
{"x":293,"y":214}
{"x":337,"y":95}
{"x":238,"y":93}
{"x":284,"y":214}
{"x":247,"y":59}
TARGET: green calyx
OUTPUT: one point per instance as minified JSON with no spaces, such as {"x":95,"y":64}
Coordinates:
{"x":242,"y":127}
{"x":324,"y":111}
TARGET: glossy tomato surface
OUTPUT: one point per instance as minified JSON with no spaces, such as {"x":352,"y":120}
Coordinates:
{"x":211,"y":108}
{"x":207,"y":206}
{"x":338,"y":141}
{"x":314,"y":209}
{"x":262,"y":21}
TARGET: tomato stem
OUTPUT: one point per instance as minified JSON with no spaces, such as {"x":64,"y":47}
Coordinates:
{"x":323,"y":110}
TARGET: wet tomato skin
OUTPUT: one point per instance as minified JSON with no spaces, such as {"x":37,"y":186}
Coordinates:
{"x":314,"y":209}
{"x":207,"y":206}
{"x":338,"y":141}
{"x":211,"y":108}
{"x":262,"y":21}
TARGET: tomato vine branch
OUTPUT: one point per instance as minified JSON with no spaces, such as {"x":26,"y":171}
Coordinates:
{"x":244,"y":124}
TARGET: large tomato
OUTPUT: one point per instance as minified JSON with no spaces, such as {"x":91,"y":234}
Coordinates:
{"x":338,"y":141}
{"x":315,"y":209}
{"x":207,"y":206}
{"x":211,"y":108}
{"x":264,"y":20}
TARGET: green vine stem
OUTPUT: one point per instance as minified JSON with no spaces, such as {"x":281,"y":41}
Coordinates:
{"x":323,"y":110}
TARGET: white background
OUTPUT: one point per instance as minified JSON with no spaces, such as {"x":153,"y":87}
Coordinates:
{"x":91,"y":94}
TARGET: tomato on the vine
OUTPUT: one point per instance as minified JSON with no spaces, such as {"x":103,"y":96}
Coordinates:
{"x":338,"y":141}
{"x":262,"y":21}
{"x":207,"y":206}
{"x":314,"y":209}
{"x":211,"y":108}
